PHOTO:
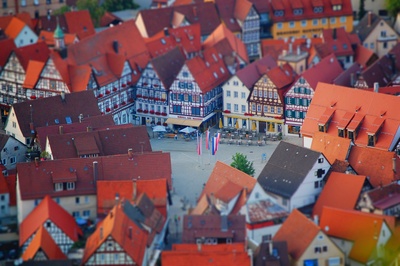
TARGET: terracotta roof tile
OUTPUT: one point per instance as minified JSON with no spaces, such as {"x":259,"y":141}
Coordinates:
{"x":325,"y":71}
{"x":42,"y":241}
{"x":381,"y":71}
{"x":14,"y":28}
{"x":48,"y":209}
{"x":37,"y":51}
{"x":359,"y":227}
{"x":348,"y":76}
{"x":333,"y":147}
{"x":340,"y":41}
{"x":384,"y":197}
{"x":298,"y":232}
{"x":376,"y":164}
{"x":218,"y":255}
{"x":368,"y":105}
{"x":226,"y":11}
{"x":350,"y":187}
{"x":242,"y":9}
{"x":282,"y":77}
{"x":364,"y":56}
{"x":48,"y":38}
{"x":80,"y":23}
{"x":366,"y":25}
{"x":33,"y":72}
{"x":7,"y":46}
{"x":251,"y":73}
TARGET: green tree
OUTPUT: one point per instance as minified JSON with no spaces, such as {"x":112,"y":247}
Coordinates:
{"x":393,"y":7}
{"x":61,"y":10}
{"x":117,"y":5}
{"x":361,"y":11}
{"x":95,"y":10}
{"x":241,"y":163}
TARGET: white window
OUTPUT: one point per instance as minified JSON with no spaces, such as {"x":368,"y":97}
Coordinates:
{"x":243,"y":95}
{"x":235,"y":94}
{"x":86,"y":199}
{"x":304,"y":23}
{"x":70,"y":185}
{"x":243,"y":108}
{"x":228,"y":93}
{"x":228,"y":106}
{"x":315,"y":22}
{"x":265,"y":108}
{"x":334,"y":261}
{"x":58,"y":186}
{"x":342,"y":19}
{"x":236,"y":108}
{"x":279,"y":25}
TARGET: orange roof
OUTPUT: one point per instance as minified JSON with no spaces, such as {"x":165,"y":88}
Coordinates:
{"x":48,"y":37}
{"x":42,"y":241}
{"x":223,"y":174}
{"x":14,"y":27}
{"x":298,"y":232}
{"x":48,"y":209}
{"x":80,"y":23}
{"x":216,"y":255}
{"x":362,"y":228}
{"x":33,"y":73}
{"x":350,"y":187}
{"x":366,"y":107}
{"x":201,"y":207}
{"x":332,"y":147}
{"x":374,"y":163}
{"x":242,"y":9}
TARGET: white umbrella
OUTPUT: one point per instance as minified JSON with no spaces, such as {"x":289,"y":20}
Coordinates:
{"x":187,"y":130}
{"x":159,"y":129}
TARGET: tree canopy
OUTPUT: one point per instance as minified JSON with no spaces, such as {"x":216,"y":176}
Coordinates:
{"x":118,"y":5}
{"x":241,"y":163}
{"x":393,"y":7}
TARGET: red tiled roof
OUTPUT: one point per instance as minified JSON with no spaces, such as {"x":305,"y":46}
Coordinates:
{"x":348,"y":76}
{"x":362,"y":228}
{"x":282,"y":77}
{"x":339,"y":40}
{"x":3,"y":185}
{"x":42,"y":241}
{"x":308,"y":10}
{"x":14,"y":28}
{"x":80,"y":23}
{"x":325,"y":71}
{"x":37,"y":51}
{"x":364,"y":56}
{"x":217,"y":255}
{"x":48,"y":38}
{"x":350,"y":187}
{"x":332,"y":147}
{"x":7,"y":46}
{"x":74,"y":104}
{"x":376,"y":164}
{"x":242,"y":9}
{"x":33,"y":72}
{"x":298,"y":232}
{"x":117,"y":167}
{"x":226,"y":11}
{"x":366,"y":106}
{"x":48,"y":209}
{"x":11,"y":180}
{"x":251,"y":73}
{"x":384,"y":197}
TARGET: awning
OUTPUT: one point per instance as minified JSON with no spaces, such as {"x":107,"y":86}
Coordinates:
{"x":184,"y":122}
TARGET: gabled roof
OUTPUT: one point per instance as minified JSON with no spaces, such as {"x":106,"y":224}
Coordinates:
{"x":222,"y":174}
{"x":80,"y":23}
{"x":204,"y":13}
{"x":332,"y":147}
{"x":325,"y":71}
{"x":298,"y":232}
{"x":117,"y":226}
{"x":340,"y":41}
{"x":213,"y":226}
{"x":48,"y":209}
{"x":381,"y":71}
{"x":14,"y":28}
{"x":49,"y":23}
{"x":349,"y":76}
{"x":366,"y":25}
{"x":222,"y":36}
{"x":274,"y":253}
{"x":117,"y":167}
{"x":36,"y":111}
{"x":42,"y":241}
{"x":37,"y":51}
{"x":242,"y":9}
{"x":350,"y":187}
{"x":384,"y":197}
{"x":226,"y":11}
{"x":7,"y":46}
{"x":307,"y":10}
{"x":251,"y":73}
{"x":282,"y":77}
{"x":104,"y":142}
{"x":33,"y":72}
{"x":234,"y":254}
{"x":364,"y":56}
{"x":48,"y":38}
{"x":376,"y":164}
{"x":168,"y":66}
{"x":287,"y":168}
{"x":364,"y":105}
{"x":361,"y":228}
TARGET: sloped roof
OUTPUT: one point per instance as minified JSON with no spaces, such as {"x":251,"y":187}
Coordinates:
{"x":234,"y":44}
{"x":7,"y":46}
{"x":250,"y":74}
{"x":366,"y":107}
{"x":49,"y":23}
{"x":348,"y":76}
{"x":226,"y":11}
{"x":204,"y":13}
{"x":120,"y":228}
{"x":376,"y":164}
{"x":80,"y":23}
{"x":325,"y":71}
{"x":361,"y":228}
{"x":168,"y":66}
{"x":48,"y":38}
{"x":366,"y":25}
{"x":381,"y":71}
{"x":48,"y":209}
{"x":364,"y":56}
{"x":74,"y":104}
{"x":11,"y":180}
{"x":223,"y":173}
{"x":286,"y":169}
{"x":36,"y":51}
{"x":332,"y":147}
{"x":42,"y":241}
{"x":384,"y":197}
{"x":350,"y":187}
{"x":79,"y":77}
{"x":222,"y":254}
{"x":278,"y":256}
{"x":242,"y":9}
{"x":33,"y":72}
{"x":340,"y":41}
{"x":298,"y":232}
{"x":117,"y":167}
{"x":308,"y":10}
{"x":198,"y":226}
{"x":14,"y":28}
{"x":282,"y":77}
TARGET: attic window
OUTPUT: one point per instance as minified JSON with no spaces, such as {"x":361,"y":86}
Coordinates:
{"x":232,"y":20}
{"x":337,"y":7}
{"x":279,"y":13}
{"x":371,"y":140}
{"x":298,"y":11}
{"x":56,"y":121}
{"x":318,"y":9}
{"x":68,"y":120}
{"x":163,"y":41}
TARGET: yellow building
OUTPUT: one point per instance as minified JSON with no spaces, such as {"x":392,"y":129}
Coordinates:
{"x":307,"y":19}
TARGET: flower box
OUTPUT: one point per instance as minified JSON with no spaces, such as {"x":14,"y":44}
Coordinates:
{"x":157,"y":113}
{"x":139,"y":110}
{"x":129,"y":82}
{"x":164,"y":124}
{"x":123,"y":85}
{"x":33,"y":97}
{"x":164,"y":114}
{"x":123,"y":103}
{"x":155,"y":85}
{"x":152,"y":112}
{"x":159,"y":123}
{"x":115,"y":89}
{"x":108,"y":109}
{"x":131,"y":100}
{"x":100,"y":95}
{"x":227,"y":112}
{"x":115,"y":106}
{"x":145,"y":97}
{"x":145,"y":84}
{"x":145,"y":111}
{"x":108,"y":92}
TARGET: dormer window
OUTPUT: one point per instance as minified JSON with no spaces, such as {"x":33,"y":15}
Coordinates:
{"x":351,"y":135}
{"x":318,"y":9}
{"x":298,"y":11}
{"x":58,"y":186}
{"x":371,"y":140}
{"x":341,"y":132}
{"x":321,"y":128}
{"x":279,"y":13}
{"x":337,"y":7}
{"x":70,"y":185}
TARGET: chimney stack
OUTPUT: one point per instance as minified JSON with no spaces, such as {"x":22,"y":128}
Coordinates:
{"x":334,"y":34}
{"x":271,"y":248}
{"x":166,"y":33}
{"x":376,"y":87}
{"x":290,"y":48}
{"x":60,"y":130}
{"x":369,"y":19}
{"x":95,"y":171}
{"x":89,"y":129}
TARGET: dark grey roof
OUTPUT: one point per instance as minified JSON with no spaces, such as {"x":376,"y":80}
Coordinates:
{"x":366,"y":25}
{"x":286,"y":169}
{"x":134,"y":214}
{"x":251,"y":73}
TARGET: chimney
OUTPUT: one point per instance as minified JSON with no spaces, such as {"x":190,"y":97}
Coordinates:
{"x":80,"y":117}
{"x":198,"y":246}
{"x":63,"y":96}
{"x":130,"y":232}
{"x":116,"y":198}
{"x":224,"y":223}
{"x":334,"y":34}
{"x":115,"y":46}
{"x":130,"y":154}
{"x":369,"y":19}
{"x":298,"y":50}
{"x":95,"y":171}
{"x":376,"y":87}
{"x":111,"y":214}
{"x":37,"y":161}
{"x":394,"y":164}
{"x":60,"y":130}
{"x":134,"y":189}
{"x":195,"y":11}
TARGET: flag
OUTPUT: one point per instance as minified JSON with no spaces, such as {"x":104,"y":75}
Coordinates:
{"x":212,"y":146}
{"x":208,"y":139}
{"x":198,"y":144}
{"x":218,"y":137}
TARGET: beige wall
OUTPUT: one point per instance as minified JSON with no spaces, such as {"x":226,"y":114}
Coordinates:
{"x":33,"y":7}
{"x":370,"y":5}
{"x":377,"y":40}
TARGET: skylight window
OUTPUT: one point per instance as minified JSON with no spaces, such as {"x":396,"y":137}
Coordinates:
{"x":56,"y":121}
{"x":68,"y":120}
